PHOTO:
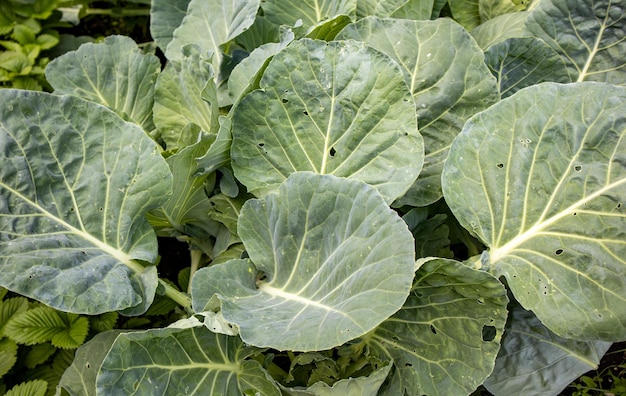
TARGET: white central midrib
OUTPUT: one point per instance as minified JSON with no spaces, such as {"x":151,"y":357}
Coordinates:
{"x":592,"y":54}
{"x":274,"y":292}
{"x":325,"y":153}
{"x":120,"y":256}
{"x":499,"y":252}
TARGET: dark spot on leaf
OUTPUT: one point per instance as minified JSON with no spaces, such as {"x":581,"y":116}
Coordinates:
{"x":619,"y":205}
{"x":285,"y":100}
{"x":408,"y":365}
{"x":88,"y":365}
{"x":332,"y":152}
{"x":419,"y":294}
{"x":558,"y":252}
{"x":489,"y":333}
{"x":261,"y":144}
{"x":575,"y":213}
{"x":101,"y":209}
{"x":500,"y":165}
{"x":305,"y":112}
{"x":432,"y":328}
{"x":578,"y":168}
{"x":481,"y":300}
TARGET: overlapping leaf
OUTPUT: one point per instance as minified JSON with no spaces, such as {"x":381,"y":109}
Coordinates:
{"x":520,"y":62}
{"x":185,"y":94}
{"x":308,"y":12}
{"x":165,"y":17}
{"x":447,"y":77}
{"x":445,"y":339}
{"x":329,"y":261}
{"x":500,"y":28}
{"x":210,"y":24}
{"x":540,"y":178}
{"x":359,"y":386}
{"x":186,"y":212}
{"x":191,"y":361}
{"x":75,"y":182}
{"x":114,"y":73}
{"x":337,"y":108}
{"x":589,"y":35}
{"x":534,"y":361}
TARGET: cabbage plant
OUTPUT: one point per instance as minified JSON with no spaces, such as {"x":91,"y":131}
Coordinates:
{"x":378,"y":199}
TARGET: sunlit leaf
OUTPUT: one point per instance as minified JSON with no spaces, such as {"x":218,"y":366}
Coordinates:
{"x":114,"y":73}
{"x":75,"y":182}
{"x":307,"y":13}
{"x":540,"y":178}
{"x":211,"y":23}
{"x":190,"y":361}
{"x":328,"y":262}
{"x":337,"y":108}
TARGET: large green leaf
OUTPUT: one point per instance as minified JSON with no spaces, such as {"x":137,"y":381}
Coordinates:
{"x":329,"y":261}
{"x":445,"y":339}
{"x":114,"y":73}
{"x":337,"y":108}
{"x":179,"y":99}
{"x":307,"y":12}
{"x":75,"y":182}
{"x":540,"y":178}
{"x":447,"y":77}
{"x":210,"y":24}
{"x":165,"y":17}
{"x":589,"y":35}
{"x":535,"y":361}
{"x":192,"y":361}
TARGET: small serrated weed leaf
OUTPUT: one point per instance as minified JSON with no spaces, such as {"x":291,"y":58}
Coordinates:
{"x":30,"y":388}
{"x":9,"y":308}
{"x":34,"y":326}
{"x":74,"y":334}
{"x":8,"y":355}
